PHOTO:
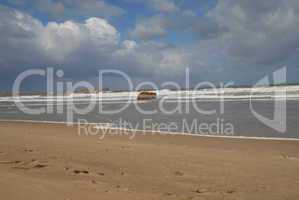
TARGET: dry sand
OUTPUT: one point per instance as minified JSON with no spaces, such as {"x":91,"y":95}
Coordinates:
{"x":48,"y":161}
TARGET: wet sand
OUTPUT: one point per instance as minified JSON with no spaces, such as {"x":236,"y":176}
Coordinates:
{"x":51,"y":161}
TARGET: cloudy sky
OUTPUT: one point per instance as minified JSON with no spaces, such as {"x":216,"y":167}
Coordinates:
{"x":151,"y":40}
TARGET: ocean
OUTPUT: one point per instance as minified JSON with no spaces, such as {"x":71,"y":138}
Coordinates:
{"x":233,"y":112}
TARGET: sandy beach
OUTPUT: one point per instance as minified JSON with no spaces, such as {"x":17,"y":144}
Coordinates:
{"x":51,"y":161}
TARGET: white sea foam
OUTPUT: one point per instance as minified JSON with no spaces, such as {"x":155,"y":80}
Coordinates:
{"x":204,"y":94}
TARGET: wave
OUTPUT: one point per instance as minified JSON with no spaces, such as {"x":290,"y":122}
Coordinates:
{"x":292,"y":92}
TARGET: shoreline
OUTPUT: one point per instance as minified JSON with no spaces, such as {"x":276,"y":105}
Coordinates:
{"x":157,"y":132}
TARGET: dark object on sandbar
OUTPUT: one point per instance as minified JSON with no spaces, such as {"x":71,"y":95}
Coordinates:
{"x":147,"y":95}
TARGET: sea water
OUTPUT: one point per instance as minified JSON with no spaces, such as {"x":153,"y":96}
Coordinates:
{"x":228,"y":113}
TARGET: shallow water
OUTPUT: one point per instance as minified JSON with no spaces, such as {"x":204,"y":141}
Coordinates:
{"x":236,"y":115}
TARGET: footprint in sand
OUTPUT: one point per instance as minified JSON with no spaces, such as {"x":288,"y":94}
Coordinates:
{"x":93,"y":182}
{"x":178,"y":173}
{"x":101,"y":174}
{"x":9,"y":162}
{"x":167,"y":194}
{"x":33,"y":164}
{"x":201,"y":191}
{"x":289,"y":157}
{"x":83,"y":171}
{"x":230,"y":191}
{"x":29,"y":150}
{"x":77,"y":171}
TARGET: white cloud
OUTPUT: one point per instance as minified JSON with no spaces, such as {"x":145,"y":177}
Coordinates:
{"x":93,"y":44}
{"x":233,"y":37}
{"x":54,"y":42}
{"x":66,"y":9}
{"x":186,"y":21}
{"x":150,"y":28}
{"x":164,"y":6}
{"x":61,"y":39}
{"x":129,"y":44}
{"x":261,"y":32}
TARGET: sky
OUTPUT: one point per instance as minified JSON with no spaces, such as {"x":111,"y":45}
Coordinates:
{"x":220,"y":41}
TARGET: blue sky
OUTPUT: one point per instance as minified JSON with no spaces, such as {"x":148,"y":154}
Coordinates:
{"x":236,"y":41}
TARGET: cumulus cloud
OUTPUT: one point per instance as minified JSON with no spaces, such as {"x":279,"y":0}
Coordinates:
{"x":152,"y":59}
{"x":82,"y":48}
{"x":150,"y":28}
{"x":61,"y":39}
{"x":262,"y":32}
{"x":256,"y":32}
{"x":163,"y":5}
{"x":55,"y":41}
{"x":183,"y":22}
{"x":166,"y":6}
{"x":18,"y":37}
{"x":66,"y":9}
{"x":235,"y":37}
